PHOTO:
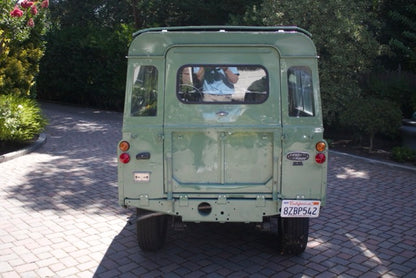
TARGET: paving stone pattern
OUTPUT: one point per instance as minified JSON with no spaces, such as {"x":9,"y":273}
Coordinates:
{"x":59,"y":217}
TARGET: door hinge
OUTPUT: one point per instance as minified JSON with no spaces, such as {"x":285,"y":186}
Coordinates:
{"x":260,"y":201}
{"x":183,"y":201}
{"x":222,"y":200}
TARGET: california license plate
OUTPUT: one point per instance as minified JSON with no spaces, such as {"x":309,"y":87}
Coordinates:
{"x":300,"y":208}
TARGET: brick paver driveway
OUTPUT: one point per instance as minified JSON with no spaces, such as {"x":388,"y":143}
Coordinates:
{"x":60,"y":218}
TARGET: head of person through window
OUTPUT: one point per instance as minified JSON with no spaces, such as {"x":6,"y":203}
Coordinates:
{"x":222,"y":84}
{"x":217,"y":82}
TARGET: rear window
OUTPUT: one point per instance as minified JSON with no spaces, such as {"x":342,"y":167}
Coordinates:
{"x":222,"y":84}
{"x":144,"y":94}
{"x":301,"y":102}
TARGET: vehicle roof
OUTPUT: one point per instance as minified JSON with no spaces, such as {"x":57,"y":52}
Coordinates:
{"x":288,"y":40}
{"x":224,"y":28}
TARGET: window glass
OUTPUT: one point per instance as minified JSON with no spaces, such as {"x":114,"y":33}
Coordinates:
{"x":144,"y":94}
{"x":301,"y":103}
{"x":222,"y":84}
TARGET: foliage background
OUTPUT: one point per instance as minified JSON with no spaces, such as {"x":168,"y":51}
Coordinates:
{"x":76,"y":55}
{"x":87,"y":44}
{"x":85,"y":63}
{"x":21,"y":49}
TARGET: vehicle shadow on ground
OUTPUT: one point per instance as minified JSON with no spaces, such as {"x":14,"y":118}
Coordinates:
{"x":228,"y":250}
{"x":353,"y":236}
{"x":199,"y":249}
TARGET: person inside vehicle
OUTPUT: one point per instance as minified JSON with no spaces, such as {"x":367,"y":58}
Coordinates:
{"x":217,"y":82}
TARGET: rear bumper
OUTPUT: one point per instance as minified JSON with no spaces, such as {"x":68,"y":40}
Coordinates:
{"x":211,"y":210}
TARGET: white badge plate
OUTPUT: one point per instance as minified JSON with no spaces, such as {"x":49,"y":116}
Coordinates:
{"x":141,"y":176}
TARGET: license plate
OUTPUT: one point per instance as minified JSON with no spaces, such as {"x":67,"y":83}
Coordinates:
{"x":300,"y":208}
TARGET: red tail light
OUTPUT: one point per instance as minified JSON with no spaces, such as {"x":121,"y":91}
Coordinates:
{"x":124,"y":158}
{"x":320,"y":158}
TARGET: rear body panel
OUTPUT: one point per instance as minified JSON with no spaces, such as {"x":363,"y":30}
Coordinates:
{"x":240,"y":159}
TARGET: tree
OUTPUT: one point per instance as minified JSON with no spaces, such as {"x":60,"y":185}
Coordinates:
{"x":371,"y":116}
{"x":399,"y":33}
{"x":187,"y":12}
{"x":344,"y":33}
{"x":85,"y":59}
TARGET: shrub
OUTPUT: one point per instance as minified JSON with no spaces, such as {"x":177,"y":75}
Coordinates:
{"x":18,"y":71}
{"x":398,"y":87}
{"x":22,"y":26}
{"x":20,"y":119}
{"x":403,"y":154}
{"x":372,"y":116}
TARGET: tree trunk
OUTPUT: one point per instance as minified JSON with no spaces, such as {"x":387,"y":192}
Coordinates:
{"x":370,"y":149}
{"x":136,"y":15}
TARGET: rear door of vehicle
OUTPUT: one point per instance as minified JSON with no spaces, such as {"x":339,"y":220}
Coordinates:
{"x":217,"y":148}
{"x":302,"y":176}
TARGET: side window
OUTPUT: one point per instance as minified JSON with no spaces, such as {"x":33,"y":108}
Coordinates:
{"x":301,"y":103}
{"x":222,"y":84}
{"x":144,"y":94}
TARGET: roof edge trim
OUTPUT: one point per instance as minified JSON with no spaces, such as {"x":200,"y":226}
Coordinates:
{"x":219,"y":28}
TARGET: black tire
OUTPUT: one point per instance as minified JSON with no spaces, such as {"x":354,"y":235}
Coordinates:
{"x":292,"y":235}
{"x":151,"y":231}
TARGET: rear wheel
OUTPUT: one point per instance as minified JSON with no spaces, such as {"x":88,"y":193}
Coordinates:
{"x":151,"y":230}
{"x":293,"y":235}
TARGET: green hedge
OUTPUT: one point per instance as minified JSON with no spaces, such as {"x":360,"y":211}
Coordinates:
{"x":371,"y":116}
{"x":86,"y":66}
{"x":403,"y":154}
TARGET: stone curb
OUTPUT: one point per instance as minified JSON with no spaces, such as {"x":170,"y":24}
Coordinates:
{"x":36,"y":145}
{"x":375,"y":161}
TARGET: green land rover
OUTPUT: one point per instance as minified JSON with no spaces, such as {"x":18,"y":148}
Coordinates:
{"x":223,"y":124}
